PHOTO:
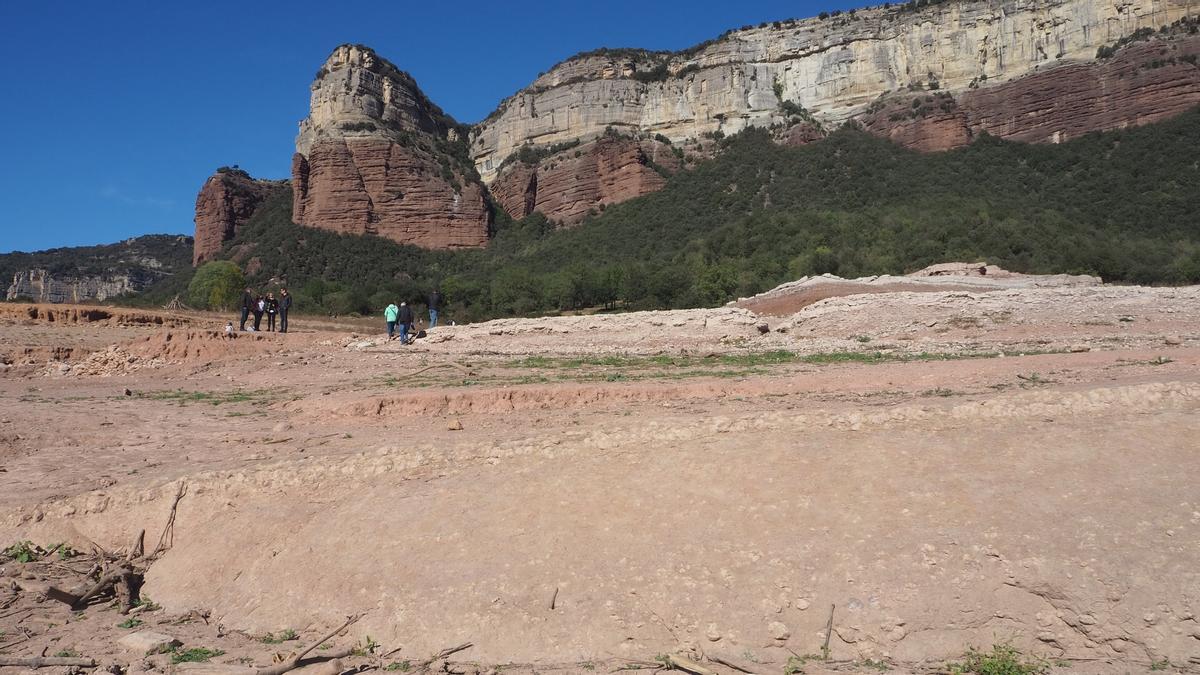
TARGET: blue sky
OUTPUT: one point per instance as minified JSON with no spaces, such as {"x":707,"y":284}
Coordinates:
{"x":112,"y":114}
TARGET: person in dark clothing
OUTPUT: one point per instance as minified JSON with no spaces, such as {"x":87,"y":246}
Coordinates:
{"x":435,"y":303}
{"x":405,"y":318}
{"x":260,"y":305}
{"x":285,"y":303}
{"x":272,"y":308}
{"x":247,"y":305}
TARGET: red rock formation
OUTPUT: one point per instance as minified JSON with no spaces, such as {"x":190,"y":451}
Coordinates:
{"x":801,"y":134}
{"x":516,"y":190}
{"x":371,"y":185}
{"x":228,"y":199}
{"x":566,"y":187}
{"x":1145,"y":82}
{"x":376,"y":156}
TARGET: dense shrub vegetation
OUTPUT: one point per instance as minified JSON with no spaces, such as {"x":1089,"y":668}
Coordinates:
{"x":216,"y":285}
{"x":1124,"y":205}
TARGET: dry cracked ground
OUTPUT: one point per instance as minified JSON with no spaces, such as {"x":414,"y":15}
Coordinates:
{"x":925,"y":472}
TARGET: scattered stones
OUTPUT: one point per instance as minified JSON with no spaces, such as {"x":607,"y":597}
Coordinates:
{"x":454,"y":425}
{"x":801,"y":604}
{"x":148,"y":642}
{"x":712,"y":633}
{"x":778,"y":631}
{"x":1173,"y":340}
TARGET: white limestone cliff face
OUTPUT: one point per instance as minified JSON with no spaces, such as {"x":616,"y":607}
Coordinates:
{"x":42,"y":286}
{"x":834,"y":68}
{"x":356,"y":93}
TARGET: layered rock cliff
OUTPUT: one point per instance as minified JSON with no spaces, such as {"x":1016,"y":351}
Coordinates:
{"x":835,"y":67}
{"x":568,"y":185}
{"x":87,"y":273}
{"x":40,"y":285}
{"x":376,"y":156}
{"x":1141,"y":83}
{"x":226,"y":201}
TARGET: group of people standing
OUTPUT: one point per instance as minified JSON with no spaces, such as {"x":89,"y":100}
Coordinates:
{"x":268,"y":305}
{"x":400,"y":319}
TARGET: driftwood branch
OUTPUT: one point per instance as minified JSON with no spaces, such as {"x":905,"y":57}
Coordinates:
{"x":104,"y":584}
{"x":294,"y":662}
{"x":638,"y":665}
{"x":445,"y":653}
{"x":731,"y":664}
{"x":828,"y":633}
{"x":167,"y":539}
{"x":139,"y":547}
{"x":46,"y":661}
{"x":689,"y":665}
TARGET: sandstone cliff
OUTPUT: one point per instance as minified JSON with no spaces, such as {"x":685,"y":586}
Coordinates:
{"x":226,"y":201}
{"x":376,"y":156}
{"x":570,"y":184}
{"x":1142,"y":83}
{"x":834,"y":67}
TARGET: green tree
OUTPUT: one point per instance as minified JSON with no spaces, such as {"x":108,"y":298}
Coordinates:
{"x":216,"y":285}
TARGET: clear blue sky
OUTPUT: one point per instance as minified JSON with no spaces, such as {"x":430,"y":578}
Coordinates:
{"x":112,"y":114}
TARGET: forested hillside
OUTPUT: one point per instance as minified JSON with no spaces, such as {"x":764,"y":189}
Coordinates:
{"x":1124,"y":205}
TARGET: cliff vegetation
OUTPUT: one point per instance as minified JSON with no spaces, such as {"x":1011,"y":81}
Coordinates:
{"x":1121,"y":204}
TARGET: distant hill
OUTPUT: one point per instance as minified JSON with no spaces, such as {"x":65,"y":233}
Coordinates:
{"x":1123,"y":204}
{"x":95,"y":273}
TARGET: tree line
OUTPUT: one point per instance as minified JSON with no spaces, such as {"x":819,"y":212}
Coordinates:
{"x":1124,"y":205}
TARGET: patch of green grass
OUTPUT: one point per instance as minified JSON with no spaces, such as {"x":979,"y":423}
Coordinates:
{"x":402,"y":666}
{"x":283,"y":636}
{"x":1004,"y":659}
{"x":256,"y":396}
{"x":194,"y":655}
{"x":1160,"y":665}
{"x":147,"y":602}
{"x":67,"y":654}
{"x":367,"y":647}
{"x":881,"y":666}
{"x":1156,"y":361}
{"x":1033,"y":379}
{"x":939,"y":391}
{"x":22,"y":551}
{"x":131,"y":622}
{"x":623,"y":368}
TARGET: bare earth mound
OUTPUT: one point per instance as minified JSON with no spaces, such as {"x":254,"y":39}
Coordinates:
{"x":937,"y":469}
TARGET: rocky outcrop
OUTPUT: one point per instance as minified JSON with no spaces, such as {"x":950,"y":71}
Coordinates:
{"x":1143,"y":82}
{"x":834,"y":67}
{"x":94,"y":273}
{"x":227,"y":200}
{"x":40,"y":285}
{"x":570,"y":184}
{"x":376,"y":156}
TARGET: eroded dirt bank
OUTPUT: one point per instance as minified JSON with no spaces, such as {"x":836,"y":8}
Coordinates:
{"x":942,"y":469}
